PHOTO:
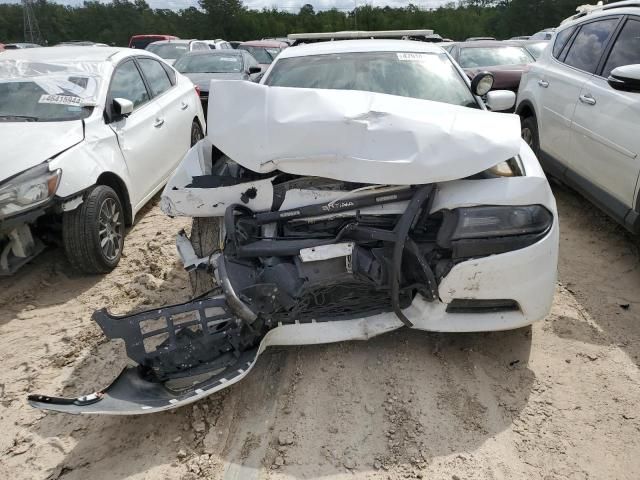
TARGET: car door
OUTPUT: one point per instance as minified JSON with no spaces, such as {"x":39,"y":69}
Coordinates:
{"x":140,"y":135}
{"x":176,"y":113}
{"x":559,"y":85}
{"x":606,"y":129}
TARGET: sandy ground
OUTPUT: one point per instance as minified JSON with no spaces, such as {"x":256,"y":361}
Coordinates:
{"x":558,"y":400}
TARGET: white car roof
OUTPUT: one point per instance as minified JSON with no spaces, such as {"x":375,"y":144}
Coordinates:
{"x":352,"y":46}
{"x":72,"y":54}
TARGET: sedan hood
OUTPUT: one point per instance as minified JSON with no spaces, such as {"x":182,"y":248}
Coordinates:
{"x":203,"y":80}
{"x":27,"y":144}
{"x":356,"y":136}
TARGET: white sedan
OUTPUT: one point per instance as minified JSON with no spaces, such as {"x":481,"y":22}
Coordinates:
{"x":363,"y":188}
{"x":88,"y":136}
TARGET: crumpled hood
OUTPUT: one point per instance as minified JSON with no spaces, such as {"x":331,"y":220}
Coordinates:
{"x":27,"y":144}
{"x":356,"y":136}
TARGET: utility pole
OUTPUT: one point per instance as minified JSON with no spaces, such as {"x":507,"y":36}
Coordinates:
{"x":355,"y":15}
{"x":31,"y":28}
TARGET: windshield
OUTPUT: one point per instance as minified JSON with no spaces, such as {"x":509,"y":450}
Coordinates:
{"x":47,"y":92}
{"x":210,"y":63}
{"x":492,"y":56}
{"x":261,"y":54}
{"x":169,"y":50}
{"x":536,"y":49}
{"x":427,"y":76}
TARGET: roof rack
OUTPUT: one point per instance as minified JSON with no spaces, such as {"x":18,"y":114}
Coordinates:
{"x":360,"y":34}
{"x":584,"y":10}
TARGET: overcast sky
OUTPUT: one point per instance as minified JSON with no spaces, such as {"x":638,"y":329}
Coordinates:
{"x":290,"y":5}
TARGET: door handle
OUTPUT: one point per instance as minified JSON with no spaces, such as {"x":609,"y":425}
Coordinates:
{"x":159,"y":122}
{"x":184,"y":106}
{"x":588,"y":99}
{"x":543,"y":83}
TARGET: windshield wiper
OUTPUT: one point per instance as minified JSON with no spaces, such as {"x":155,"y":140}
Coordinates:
{"x":23,"y":118}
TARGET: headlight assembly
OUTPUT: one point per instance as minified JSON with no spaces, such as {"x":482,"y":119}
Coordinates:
{"x":28,"y":189}
{"x":486,"y":230}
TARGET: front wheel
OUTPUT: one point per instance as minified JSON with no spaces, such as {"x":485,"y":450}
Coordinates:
{"x":93,"y":233}
{"x":529,"y":132}
{"x":206,"y":239}
{"x":196,"y":133}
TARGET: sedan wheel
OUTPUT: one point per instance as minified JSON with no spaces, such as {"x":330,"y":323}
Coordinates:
{"x":196,"y":133}
{"x":111,"y":229}
{"x":93,"y":233}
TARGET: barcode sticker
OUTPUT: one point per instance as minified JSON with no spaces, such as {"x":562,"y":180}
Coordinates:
{"x":412,"y":57}
{"x":61,"y":100}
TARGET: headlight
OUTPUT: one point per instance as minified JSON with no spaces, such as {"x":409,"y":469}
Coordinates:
{"x":29,"y":189}
{"x":487,"y":230}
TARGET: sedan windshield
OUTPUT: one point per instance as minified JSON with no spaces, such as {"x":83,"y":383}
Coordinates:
{"x":427,"y":76}
{"x":169,"y":50}
{"x":210,"y":63}
{"x":493,"y":56}
{"x":47,"y":92}
{"x":261,"y":54}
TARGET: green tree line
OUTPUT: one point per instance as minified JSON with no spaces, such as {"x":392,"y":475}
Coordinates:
{"x":115,"y":22}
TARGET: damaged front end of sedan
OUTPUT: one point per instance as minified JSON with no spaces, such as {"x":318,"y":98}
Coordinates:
{"x":340,"y":216}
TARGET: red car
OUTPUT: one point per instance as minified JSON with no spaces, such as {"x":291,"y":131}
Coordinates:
{"x":141,"y":41}
{"x":505,"y":60}
{"x":264,"y":51}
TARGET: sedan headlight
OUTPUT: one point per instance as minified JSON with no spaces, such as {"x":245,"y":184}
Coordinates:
{"x":29,"y":189}
{"x":486,"y":230}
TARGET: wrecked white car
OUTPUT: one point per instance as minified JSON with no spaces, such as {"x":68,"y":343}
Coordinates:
{"x":88,"y":136}
{"x":360,"y":188}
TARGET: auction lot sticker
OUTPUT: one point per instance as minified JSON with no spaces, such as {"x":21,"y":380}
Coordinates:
{"x":412,"y":57}
{"x":60,"y":100}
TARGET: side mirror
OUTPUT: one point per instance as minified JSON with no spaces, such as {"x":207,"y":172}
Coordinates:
{"x":626,"y":78}
{"x":122,"y":107}
{"x":482,"y":83}
{"x":254,"y":69}
{"x":500,"y":100}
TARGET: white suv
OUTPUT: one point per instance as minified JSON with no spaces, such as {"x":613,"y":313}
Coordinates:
{"x":580,"y":108}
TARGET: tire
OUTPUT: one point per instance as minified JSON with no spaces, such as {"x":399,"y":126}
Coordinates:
{"x":98,"y":220}
{"x":205,"y":238}
{"x":196,"y":133}
{"x":529,"y":133}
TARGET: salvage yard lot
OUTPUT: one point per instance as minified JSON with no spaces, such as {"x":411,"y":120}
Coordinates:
{"x":558,"y":400}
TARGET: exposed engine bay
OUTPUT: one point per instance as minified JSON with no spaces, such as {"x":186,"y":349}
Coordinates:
{"x":366,"y":251}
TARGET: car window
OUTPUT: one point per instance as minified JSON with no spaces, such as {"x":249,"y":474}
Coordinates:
{"x":171,"y":73}
{"x":210,"y":63}
{"x":626,"y":50}
{"x":249,"y":60}
{"x":156,"y":76}
{"x":492,"y":56}
{"x":561,"y":40}
{"x":536,"y":49}
{"x":261,"y":54}
{"x":127,"y":83}
{"x":169,"y":50}
{"x":586,"y":50}
{"x":427,"y":76}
